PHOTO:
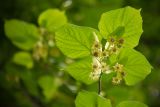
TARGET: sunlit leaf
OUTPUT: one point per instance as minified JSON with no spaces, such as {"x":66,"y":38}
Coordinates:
{"x":125,"y":22}
{"x":135,"y":64}
{"x":52,"y":19}
{"x":75,"y":41}
{"x":81,"y":70}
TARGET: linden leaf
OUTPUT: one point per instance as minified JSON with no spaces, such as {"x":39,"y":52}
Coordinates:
{"x":52,"y":19}
{"x":75,"y":41}
{"x":125,"y":22}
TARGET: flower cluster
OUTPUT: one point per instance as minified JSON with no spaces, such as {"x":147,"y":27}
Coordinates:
{"x":100,"y":55}
{"x":119,"y":69}
{"x":40,"y":50}
{"x":98,"y":64}
{"x":45,"y":42}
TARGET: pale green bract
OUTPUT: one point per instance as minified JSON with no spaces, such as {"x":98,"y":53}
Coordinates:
{"x":91,"y":99}
{"x":23,"y":35}
{"x":75,"y":41}
{"x":81,"y":70}
{"x":24,"y":59}
{"x":135,"y":64}
{"x":125,"y":22}
{"x":52,"y":19}
{"x":131,"y":104}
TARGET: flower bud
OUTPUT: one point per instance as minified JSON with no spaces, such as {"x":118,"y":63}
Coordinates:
{"x":96,"y":54}
{"x":119,"y":45}
{"x":96,"y":65}
{"x":105,"y":54}
{"x":94,"y":76}
{"x":121,"y":41}
{"x":116,"y":80}
{"x":114,"y":50}
{"x":118,"y":67}
{"x":112,"y":40}
{"x":122,"y":73}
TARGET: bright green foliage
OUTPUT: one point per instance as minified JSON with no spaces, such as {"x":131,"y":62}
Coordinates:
{"x":135,"y":64}
{"x":120,"y":31}
{"x":23,"y":35}
{"x":131,"y":104}
{"x":125,"y":22}
{"x":75,"y":41}
{"x":81,"y":70}
{"x":49,"y":86}
{"x":52,"y":19}
{"x":23,"y":58}
{"x":91,"y":99}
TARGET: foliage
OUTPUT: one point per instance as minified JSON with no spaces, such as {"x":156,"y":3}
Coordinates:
{"x":121,"y":33}
{"x":35,"y":73}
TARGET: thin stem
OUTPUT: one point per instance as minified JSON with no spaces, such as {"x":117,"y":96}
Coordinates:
{"x":99,"y":84}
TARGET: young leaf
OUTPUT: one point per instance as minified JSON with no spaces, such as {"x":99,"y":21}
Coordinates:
{"x":24,"y":59}
{"x":23,"y":35}
{"x":81,"y":70}
{"x":91,"y":99}
{"x":135,"y":64}
{"x":52,"y":19}
{"x":75,"y":41}
{"x":131,"y":104}
{"x":125,"y":22}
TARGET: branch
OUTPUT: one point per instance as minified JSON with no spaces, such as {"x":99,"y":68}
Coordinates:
{"x":99,"y":84}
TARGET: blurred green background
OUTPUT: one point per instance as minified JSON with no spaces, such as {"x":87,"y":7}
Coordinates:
{"x":46,"y":85}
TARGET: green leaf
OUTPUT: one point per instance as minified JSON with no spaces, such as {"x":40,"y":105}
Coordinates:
{"x":91,"y":99}
{"x":24,"y":59}
{"x":52,"y":19}
{"x":23,"y":35}
{"x":125,"y":22}
{"x":135,"y":64}
{"x":75,"y":41}
{"x":49,"y":86}
{"x":131,"y":104}
{"x":81,"y":70}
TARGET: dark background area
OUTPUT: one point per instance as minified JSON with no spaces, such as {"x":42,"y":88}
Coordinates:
{"x":16,"y":90}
